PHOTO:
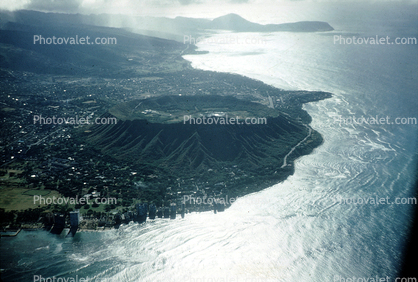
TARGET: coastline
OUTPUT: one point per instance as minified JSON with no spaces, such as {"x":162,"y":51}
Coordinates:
{"x":190,"y":82}
{"x":298,"y":150}
{"x":289,"y":231}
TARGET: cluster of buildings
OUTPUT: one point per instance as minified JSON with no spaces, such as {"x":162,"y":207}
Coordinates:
{"x":58,"y":224}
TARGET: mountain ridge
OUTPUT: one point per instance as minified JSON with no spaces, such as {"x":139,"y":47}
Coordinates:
{"x":149,"y":87}
{"x":162,"y":27}
{"x":237,"y":23}
{"x":202,"y":151}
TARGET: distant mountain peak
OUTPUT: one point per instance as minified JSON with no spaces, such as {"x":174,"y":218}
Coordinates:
{"x":231,"y":21}
{"x":230,"y":16}
{"x":237,"y":23}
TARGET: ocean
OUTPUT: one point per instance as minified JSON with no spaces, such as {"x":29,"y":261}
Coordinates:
{"x":311,"y":227}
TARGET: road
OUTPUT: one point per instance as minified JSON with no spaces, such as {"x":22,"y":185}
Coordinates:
{"x":291,"y":151}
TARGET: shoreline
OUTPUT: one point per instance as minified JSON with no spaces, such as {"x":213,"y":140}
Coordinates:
{"x":288,"y":164}
{"x":254,"y":177}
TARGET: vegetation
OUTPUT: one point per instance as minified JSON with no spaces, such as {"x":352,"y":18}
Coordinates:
{"x":149,"y":155}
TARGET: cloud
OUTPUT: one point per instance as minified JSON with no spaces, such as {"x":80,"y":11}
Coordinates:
{"x":186,"y":2}
{"x":71,"y":6}
{"x":12,"y":5}
{"x":81,"y":6}
{"x":144,"y":6}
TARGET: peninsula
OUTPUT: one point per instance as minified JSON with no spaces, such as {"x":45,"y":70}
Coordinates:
{"x":151,"y":152}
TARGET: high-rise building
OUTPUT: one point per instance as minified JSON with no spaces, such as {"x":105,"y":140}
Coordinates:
{"x":75,"y":219}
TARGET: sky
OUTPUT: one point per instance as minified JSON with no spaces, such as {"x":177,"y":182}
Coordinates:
{"x":192,"y":8}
